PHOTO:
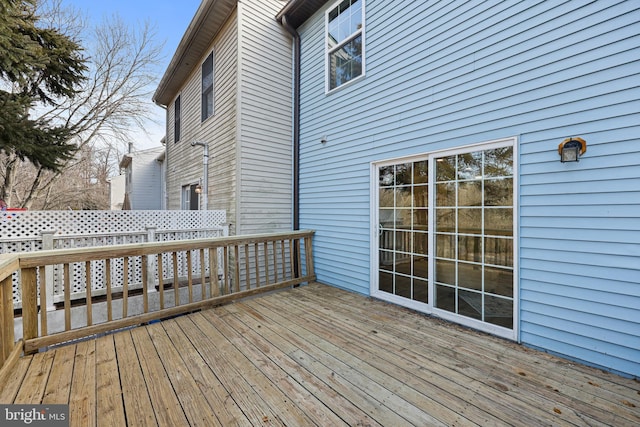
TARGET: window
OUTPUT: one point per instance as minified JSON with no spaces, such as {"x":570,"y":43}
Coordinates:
{"x":190,"y":198}
{"x":177,"y":115}
{"x":207,"y":87}
{"x":345,"y":36}
{"x":445,"y":234}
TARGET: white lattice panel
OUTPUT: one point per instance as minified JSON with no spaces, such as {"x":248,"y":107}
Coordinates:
{"x":17,"y":225}
{"x":22,"y":232}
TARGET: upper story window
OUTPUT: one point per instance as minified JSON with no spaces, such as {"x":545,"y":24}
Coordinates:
{"x":177,"y":116}
{"x":207,"y":87}
{"x":345,"y":37}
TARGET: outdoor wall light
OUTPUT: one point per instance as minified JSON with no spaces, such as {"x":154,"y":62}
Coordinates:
{"x":571,"y":149}
{"x":198,"y":189}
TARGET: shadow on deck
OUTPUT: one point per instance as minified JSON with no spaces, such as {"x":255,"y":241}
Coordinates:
{"x":316,"y":355}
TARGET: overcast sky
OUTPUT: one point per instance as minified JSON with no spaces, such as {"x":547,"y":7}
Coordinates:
{"x":170,"y":18}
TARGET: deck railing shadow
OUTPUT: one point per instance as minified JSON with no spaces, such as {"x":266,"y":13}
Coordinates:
{"x":219,"y":270}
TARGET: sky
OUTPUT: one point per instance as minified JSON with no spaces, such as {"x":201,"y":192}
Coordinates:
{"x":170,"y":19}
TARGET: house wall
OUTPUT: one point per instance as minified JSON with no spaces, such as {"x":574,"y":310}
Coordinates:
{"x":447,"y":74}
{"x":146,"y":175}
{"x":184,"y":163}
{"x":264,"y":120}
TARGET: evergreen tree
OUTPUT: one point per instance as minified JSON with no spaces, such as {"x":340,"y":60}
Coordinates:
{"x":38,"y":66}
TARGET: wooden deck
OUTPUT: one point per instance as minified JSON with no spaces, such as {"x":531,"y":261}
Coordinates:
{"x":316,"y":355}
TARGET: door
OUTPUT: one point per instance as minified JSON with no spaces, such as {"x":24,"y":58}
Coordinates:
{"x":445,"y":233}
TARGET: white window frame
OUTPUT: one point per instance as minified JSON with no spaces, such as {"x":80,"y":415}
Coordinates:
{"x":202,"y":89}
{"x":177,"y":119}
{"x":328,"y":51}
{"x":512,"y":334}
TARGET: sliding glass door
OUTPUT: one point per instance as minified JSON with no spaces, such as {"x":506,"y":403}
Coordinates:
{"x":445,"y":234}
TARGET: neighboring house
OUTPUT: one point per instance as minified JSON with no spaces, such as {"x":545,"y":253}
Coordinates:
{"x":144,"y":179}
{"x":430,"y":170}
{"x":228,"y":90}
{"x":116,"y":192}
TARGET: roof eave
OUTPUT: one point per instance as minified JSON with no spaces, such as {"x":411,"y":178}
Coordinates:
{"x":205,"y":25}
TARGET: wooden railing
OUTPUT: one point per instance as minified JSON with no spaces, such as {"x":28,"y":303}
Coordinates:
{"x":251,"y":264}
{"x":9,"y":349}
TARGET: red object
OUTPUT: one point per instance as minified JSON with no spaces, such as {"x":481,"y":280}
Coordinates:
{"x":16,"y":209}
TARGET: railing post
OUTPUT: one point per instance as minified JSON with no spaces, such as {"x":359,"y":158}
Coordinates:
{"x":7,"y":337}
{"x":47,"y":244}
{"x":29,"y":303}
{"x":151,"y":261}
{"x":308,"y":251}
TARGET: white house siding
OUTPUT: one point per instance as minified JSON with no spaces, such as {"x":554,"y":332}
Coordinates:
{"x":447,"y":74}
{"x":184,"y":163}
{"x":146,"y":190}
{"x":264,"y":119}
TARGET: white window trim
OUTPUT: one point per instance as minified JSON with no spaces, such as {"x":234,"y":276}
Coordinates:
{"x":326,"y":49}
{"x":213,"y":86}
{"x":511,"y":334}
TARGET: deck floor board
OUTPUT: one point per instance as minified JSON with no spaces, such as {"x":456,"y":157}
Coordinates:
{"x":316,"y":356}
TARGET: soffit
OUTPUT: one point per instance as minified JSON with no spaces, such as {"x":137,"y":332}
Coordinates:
{"x":205,"y":25}
{"x":298,"y":11}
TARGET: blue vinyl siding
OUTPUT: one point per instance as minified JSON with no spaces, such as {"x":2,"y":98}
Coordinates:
{"x":446,"y":74}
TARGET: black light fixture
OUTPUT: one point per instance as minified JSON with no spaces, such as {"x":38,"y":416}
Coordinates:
{"x":571,"y":149}
{"x":198,"y":189}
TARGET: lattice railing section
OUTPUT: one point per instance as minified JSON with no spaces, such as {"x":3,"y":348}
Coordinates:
{"x":35,"y":231}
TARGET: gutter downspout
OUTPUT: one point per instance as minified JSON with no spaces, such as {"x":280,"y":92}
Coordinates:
{"x":296,"y":121}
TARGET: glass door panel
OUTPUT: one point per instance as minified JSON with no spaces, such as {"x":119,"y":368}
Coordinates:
{"x":456,"y":218}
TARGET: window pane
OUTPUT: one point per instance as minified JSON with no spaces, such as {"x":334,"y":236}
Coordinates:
{"x":386,"y":176}
{"x":421,"y":266}
{"x":385,"y":282}
{"x":470,"y":220}
{"x":386,"y":197}
{"x":420,"y":243}
{"x":446,"y":272}
{"x":446,"y":194}
{"x":403,"y":241}
{"x":421,"y":172}
{"x":403,"y":264}
{"x":345,"y":63}
{"x":470,"y":304}
{"x":498,"y":221}
{"x":446,"y":246}
{"x":498,"y":162}
{"x":470,"y":165}
{"x":470,"y":193}
{"x":498,"y":192}
{"x":498,"y":311}
{"x":446,"y":220}
{"x":445,"y":298}
{"x":386,"y":260}
{"x":470,"y":248}
{"x":403,"y":286}
{"x":421,"y":290}
{"x":446,"y":168}
{"x":498,"y":251}
{"x":470,"y":276}
{"x":421,"y":219}
{"x":403,"y":197}
{"x":498,"y":281}
{"x":403,"y":174}
{"x":387,"y":239}
{"x":386,"y":218}
{"x":403,"y":219}
{"x":421,"y":196}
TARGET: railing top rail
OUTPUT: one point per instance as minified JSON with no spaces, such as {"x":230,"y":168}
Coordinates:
{"x":61,"y":256}
{"x":9,"y":263}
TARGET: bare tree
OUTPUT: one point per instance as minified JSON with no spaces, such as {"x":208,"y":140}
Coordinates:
{"x":112,"y":104}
